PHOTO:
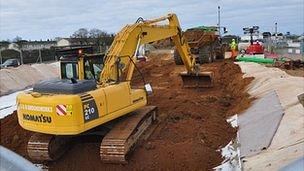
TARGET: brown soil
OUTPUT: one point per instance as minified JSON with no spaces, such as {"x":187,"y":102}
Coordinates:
{"x":297,"y":72}
{"x":190,"y":35}
{"x":193,"y":35}
{"x":13,"y":136}
{"x":163,"y":44}
{"x":191,"y":125}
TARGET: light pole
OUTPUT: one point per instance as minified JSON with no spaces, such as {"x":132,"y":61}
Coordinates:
{"x":276,"y":30}
{"x":1,"y":56}
{"x":219,"y":19}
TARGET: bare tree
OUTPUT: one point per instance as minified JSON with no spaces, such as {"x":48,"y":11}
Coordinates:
{"x":100,"y":37}
{"x":95,"y":33}
{"x":81,"y":33}
{"x":96,"y":37}
{"x":17,"y":39}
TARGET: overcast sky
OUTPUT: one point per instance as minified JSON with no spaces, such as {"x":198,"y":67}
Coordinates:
{"x":43,"y":19}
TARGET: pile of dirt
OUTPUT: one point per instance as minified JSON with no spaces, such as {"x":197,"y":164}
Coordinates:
{"x":163,"y":44}
{"x":193,"y":35}
{"x":191,"y":126}
{"x":297,"y":72}
{"x":24,"y":76}
{"x":13,"y":136}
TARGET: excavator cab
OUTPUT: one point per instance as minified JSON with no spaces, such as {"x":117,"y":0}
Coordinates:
{"x":79,"y":72}
{"x":79,"y":64}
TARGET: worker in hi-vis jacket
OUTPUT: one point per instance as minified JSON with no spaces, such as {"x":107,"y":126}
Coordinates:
{"x":233,"y":46}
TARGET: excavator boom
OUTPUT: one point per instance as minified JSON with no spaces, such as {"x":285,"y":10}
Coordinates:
{"x":123,"y":50}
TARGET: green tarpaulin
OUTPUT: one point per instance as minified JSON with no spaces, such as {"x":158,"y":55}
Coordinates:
{"x":255,"y":59}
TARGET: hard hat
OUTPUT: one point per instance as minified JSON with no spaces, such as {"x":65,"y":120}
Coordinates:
{"x":233,"y":39}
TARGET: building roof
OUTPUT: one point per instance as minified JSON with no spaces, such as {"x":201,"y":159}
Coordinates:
{"x":35,"y":42}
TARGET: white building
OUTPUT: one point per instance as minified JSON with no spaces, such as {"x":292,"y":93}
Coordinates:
{"x":76,"y":41}
{"x":35,"y":45}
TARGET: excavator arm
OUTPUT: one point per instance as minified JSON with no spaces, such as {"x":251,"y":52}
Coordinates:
{"x":121,"y":56}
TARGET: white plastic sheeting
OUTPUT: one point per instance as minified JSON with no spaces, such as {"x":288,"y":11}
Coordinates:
{"x":10,"y":161}
{"x":288,"y":142}
{"x":8,"y":104}
{"x":231,"y":152}
{"x":258,"y":124}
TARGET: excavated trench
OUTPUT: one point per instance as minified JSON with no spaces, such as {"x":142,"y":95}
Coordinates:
{"x":191,"y":126}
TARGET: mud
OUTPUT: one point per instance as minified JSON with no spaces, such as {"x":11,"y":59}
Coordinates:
{"x":191,"y":126}
{"x":13,"y":136}
{"x":191,"y":36}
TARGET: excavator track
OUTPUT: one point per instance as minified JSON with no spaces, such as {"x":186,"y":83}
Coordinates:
{"x":118,"y":143}
{"x":45,"y":147}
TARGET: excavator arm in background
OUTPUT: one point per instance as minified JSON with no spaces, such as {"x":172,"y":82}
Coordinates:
{"x":121,"y":56}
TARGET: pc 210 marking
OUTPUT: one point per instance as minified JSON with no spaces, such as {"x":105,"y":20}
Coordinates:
{"x":90,"y":111}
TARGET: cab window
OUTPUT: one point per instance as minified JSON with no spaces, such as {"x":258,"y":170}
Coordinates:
{"x":69,"y":70}
{"x":92,"y":68}
{"x":88,"y":70}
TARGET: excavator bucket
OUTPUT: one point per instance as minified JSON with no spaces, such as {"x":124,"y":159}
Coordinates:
{"x":197,"y":80}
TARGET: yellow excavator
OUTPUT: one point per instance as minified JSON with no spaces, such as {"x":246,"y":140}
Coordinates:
{"x":94,"y":91}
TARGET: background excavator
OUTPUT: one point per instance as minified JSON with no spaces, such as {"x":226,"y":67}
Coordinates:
{"x":94,"y":91}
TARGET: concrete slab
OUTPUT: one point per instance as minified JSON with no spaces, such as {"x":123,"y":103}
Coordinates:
{"x":258,"y":124}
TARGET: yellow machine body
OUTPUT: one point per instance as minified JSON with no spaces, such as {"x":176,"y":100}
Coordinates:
{"x":113,"y":97}
{"x":38,"y":112}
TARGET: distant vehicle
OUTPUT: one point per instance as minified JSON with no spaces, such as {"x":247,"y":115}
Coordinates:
{"x":10,"y":63}
{"x":204,"y":43}
{"x":244,"y":43}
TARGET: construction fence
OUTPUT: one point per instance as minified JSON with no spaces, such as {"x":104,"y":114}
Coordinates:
{"x":27,"y":57}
